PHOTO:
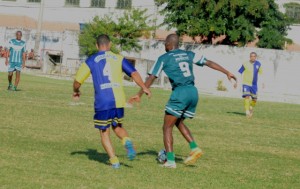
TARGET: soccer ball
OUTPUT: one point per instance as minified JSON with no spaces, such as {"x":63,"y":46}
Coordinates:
{"x":162,"y":156}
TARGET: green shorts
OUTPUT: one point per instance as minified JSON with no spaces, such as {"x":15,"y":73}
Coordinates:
{"x":15,"y":66}
{"x":183,"y":102}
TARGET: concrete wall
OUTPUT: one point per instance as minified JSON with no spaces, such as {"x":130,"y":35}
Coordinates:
{"x":280,"y":69}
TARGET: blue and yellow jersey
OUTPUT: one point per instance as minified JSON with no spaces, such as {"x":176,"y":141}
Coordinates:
{"x":106,"y":68}
{"x":178,"y":66}
{"x":16,"y":50}
{"x":250,"y":72}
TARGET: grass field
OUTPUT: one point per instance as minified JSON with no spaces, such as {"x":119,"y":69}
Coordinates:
{"x":47,"y":142}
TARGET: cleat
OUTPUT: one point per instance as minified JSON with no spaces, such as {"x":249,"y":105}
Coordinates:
{"x":248,"y":114}
{"x":251,"y":111}
{"x":169,"y":165}
{"x":10,"y":86}
{"x":131,"y":153}
{"x":194,"y":155}
{"x":115,"y":165}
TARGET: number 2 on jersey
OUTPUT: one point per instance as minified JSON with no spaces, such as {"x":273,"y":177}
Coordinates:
{"x":184,"y":66}
{"x":107,"y":71}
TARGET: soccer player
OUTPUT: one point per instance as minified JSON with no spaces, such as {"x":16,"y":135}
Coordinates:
{"x":250,"y":71}
{"x":106,"y":68}
{"x":178,"y":66}
{"x":17,"y":58}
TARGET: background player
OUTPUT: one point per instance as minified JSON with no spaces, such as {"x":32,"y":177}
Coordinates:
{"x":178,"y":66}
{"x":106,"y":69}
{"x":17,"y":58}
{"x":250,"y":71}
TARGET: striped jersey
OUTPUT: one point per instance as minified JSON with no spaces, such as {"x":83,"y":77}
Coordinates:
{"x":250,"y":72}
{"x":178,"y":66}
{"x":16,"y":50}
{"x":107,"y":70}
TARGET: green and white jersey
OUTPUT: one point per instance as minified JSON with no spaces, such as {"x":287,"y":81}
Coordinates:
{"x":178,"y":66}
{"x":16,"y":50}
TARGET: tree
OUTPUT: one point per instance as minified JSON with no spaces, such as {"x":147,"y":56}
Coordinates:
{"x":241,"y":21}
{"x":124,"y":33}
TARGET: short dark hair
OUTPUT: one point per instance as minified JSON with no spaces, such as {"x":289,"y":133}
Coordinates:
{"x":173,"y":39}
{"x":19,"y":32}
{"x":103,"y":39}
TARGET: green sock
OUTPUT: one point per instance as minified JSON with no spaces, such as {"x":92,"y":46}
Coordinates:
{"x":171,"y":156}
{"x":193,"y":145}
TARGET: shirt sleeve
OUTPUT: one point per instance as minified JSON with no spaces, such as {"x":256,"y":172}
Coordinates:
{"x":201,"y":62}
{"x":127,"y":67}
{"x":83,"y":73}
{"x":156,"y":68}
{"x":260,"y":71}
{"x":242,"y":69}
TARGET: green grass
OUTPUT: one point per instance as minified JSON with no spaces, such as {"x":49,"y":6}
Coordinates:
{"x":45,"y":142}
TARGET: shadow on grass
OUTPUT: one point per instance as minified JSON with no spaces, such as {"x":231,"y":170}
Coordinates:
{"x":154,"y":153}
{"x":237,"y":113}
{"x":96,"y":156}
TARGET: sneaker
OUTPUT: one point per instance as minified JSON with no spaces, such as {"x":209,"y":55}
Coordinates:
{"x":251,"y":111}
{"x":115,"y":165}
{"x":14,"y":88}
{"x":248,"y":114}
{"x":9,"y":87}
{"x":194,"y":155}
{"x":169,"y":165}
{"x":131,"y":153}
{"x":115,"y":162}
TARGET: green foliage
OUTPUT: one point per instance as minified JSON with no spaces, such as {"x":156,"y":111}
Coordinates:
{"x":124,"y":33}
{"x":238,"y":20}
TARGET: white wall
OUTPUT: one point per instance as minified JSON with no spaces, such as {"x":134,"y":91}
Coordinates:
{"x":281,"y":85}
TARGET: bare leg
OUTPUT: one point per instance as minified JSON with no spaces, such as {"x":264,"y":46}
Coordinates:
{"x":120,"y":132}
{"x":18,"y":75}
{"x":10,"y":75}
{"x":184,"y":130}
{"x":106,"y":142}
{"x":169,"y":122}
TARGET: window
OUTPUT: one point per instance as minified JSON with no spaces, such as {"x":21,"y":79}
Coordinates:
{"x":124,"y":4}
{"x":98,"y":3}
{"x":33,"y":1}
{"x":72,"y":3}
{"x":9,"y":0}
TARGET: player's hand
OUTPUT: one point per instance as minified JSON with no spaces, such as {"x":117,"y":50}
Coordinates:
{"x":76,"y":96}
{"x":147,"y":92}
{"x":230,"y":76}
{"x":134,"y":99}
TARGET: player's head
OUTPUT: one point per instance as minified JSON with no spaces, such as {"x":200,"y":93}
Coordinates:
{"x":18,"y":35}
{"x":103,"y":42}
{"x":172,"y":42}
{"x":253,"y":56}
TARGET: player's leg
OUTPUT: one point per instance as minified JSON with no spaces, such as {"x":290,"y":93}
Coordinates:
{"x":10,"y":76}
{"x":247,"y":100}
{"x":102,"y":121}
{"x":169,"y":122}
{"x":18,"y":76}
{"x":126,"y":141}
{"x":121,"y":132}
{"x":254,"y":99}
{"x":107,"y":145}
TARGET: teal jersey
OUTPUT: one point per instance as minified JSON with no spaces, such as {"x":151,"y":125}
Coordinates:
{"x":16,"y":50}
{"x":178,"y":66}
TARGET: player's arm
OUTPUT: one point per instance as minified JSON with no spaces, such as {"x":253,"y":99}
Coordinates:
{"x":23,"y":59}
{"x":6,"y":57}
{"x":218,"y":67}
{"x":82,"y":74}
{"x":139,"y":81}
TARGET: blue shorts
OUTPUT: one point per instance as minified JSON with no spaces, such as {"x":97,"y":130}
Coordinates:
{"x":250,"y":91}
{"x":15,"y":66}
{"x":183,"y":102}
{"x":105,"y":119}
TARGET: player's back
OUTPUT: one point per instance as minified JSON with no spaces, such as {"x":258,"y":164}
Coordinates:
{"x":178,"y":66}
{"x":106,"y":70}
